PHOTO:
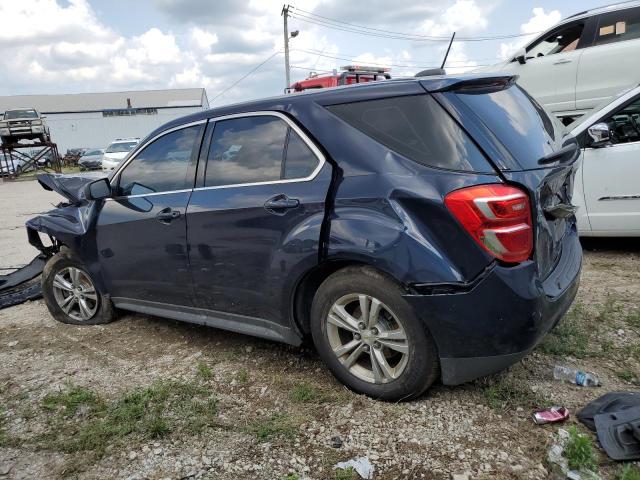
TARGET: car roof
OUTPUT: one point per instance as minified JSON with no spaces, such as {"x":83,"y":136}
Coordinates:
{"x":597,"y":11}
{"x":289,"y":103}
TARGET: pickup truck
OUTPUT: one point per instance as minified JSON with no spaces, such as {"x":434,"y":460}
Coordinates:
{"x":23,"y":123}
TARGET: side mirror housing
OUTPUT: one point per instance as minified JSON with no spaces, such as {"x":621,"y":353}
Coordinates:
{"x":599,"y":134}
{"x":98,"y":189}
{"x":521,"y":56}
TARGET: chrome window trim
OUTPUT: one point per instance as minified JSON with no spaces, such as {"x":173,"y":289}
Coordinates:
{"x":316,"y":151}
{"x":261,"y":113}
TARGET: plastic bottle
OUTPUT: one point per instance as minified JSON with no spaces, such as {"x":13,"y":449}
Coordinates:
{"x":577,"y":377}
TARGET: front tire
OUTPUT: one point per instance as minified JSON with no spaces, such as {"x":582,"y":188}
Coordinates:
{"x":71,"y":294}
{"x":370,"y":337}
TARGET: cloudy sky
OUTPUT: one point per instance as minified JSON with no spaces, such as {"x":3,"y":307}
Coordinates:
{"x":69,"y":46}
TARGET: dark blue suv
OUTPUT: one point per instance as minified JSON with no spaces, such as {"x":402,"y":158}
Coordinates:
{"x":414,"y":229}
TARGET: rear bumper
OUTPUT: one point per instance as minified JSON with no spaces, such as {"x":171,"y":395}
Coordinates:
{"x":501,"y":317}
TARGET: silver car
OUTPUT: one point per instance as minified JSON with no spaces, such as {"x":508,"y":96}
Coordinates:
{"x":91,"y":159}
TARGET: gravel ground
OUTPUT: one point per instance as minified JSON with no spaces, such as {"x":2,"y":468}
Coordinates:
{"x":271,"y":411}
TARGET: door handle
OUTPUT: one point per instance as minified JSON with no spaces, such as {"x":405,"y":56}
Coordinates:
{"x":280,"y":204}
{"x":560,"y":62}
{"x":166,"y":215}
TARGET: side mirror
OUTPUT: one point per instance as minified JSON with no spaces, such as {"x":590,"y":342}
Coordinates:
{"x":599,"y":134}
{"x":521,"y":56}
{"x":98,"y":189}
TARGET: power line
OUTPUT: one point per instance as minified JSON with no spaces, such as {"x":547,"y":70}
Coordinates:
{"x":321,"y":20}
{"x":350,"y":57}
{"x":376,"y":64}
{"x":245,"y":76}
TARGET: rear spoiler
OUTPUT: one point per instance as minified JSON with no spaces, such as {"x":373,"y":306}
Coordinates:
{"x":479,"y":84}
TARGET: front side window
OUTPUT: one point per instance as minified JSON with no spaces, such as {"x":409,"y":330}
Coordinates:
{"x":618,"y":26}
{"x":625,"y":124}
{"x":163,"y":165}
{"x":256,"y":149}
{"x":563,"y":40}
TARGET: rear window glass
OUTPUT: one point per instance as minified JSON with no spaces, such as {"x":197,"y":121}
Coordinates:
{"x":416,"y":127}
{"x":517,"y":120}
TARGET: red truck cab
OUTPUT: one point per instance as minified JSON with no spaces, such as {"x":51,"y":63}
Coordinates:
{"x":350,"y":74}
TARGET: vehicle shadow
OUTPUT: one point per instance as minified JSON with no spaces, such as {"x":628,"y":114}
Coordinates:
{"x":605,"y":244}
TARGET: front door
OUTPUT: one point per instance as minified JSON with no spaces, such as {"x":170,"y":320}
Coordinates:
{"x":610,"y":176}
{"x":255,"y":223}
{"x":141,"y":231}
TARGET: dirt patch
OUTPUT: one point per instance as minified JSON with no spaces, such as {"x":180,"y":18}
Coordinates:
{"x":138,"y":386}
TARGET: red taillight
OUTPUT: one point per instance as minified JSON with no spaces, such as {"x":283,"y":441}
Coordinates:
{"x":498,"y":217}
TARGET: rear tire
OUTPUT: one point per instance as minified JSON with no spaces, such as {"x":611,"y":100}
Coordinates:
{"x":71,"y":294}
{"x":387,"y":353}
{"x":6,"y":141}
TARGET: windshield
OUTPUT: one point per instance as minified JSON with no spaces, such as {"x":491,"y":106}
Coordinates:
{"x":20,"y":114}
{"x":121,"y":147}
{"x":579,"y":120}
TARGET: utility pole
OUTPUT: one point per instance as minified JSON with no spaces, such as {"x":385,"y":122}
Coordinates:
{"x":285,"y":14}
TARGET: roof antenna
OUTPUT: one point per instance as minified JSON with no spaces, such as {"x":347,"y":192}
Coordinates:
{"x":444,"y":60}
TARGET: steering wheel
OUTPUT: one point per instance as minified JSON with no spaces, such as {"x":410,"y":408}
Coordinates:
{"x":635,"y":124}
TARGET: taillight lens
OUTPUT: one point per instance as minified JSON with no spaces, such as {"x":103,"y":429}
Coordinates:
{"x":498,"y":217}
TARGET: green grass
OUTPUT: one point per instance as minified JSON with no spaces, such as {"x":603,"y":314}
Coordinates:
{"x":291,"y":476}
{"x":502,"y":393}
{"x":626,"y":375}
{"x":570,"y":337}
{"x":242,"y":376}
{"x":345,"y":474}
{"x":305,"y":392}
{"x":579,"y":450}
{"x":633,"y":318}
{"x":204,"y":371}
{"x":629,"y":472}
{"x":276,"y":425}
{"x":136,"y":415}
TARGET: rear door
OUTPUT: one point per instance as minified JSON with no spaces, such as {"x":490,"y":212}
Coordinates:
{"x":141,"y":232}
{"x":255,"y":220}
{"x":611,"y":64}
{"x":610,"y":176}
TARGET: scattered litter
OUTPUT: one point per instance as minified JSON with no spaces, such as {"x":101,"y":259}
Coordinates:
{"x":460,"y":476}
{"x":550,"y":415}
{"x":555,"y":457}
{"x":577,"y":377}
{"x":608,"y":403}
{"x":336,"y":442}
{"x":263,"y":390}
{"x":619,"y":433}
{"x":12,"y":344}
{"x":361,"y":465}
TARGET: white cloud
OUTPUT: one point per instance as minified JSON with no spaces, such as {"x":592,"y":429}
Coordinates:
{"x":203,"y":39}
{"x":539,"y":22}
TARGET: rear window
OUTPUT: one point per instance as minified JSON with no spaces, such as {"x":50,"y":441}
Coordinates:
{"x":517,"y":120}
{"x":416,"y":127}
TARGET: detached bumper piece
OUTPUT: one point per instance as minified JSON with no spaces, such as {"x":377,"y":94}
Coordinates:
{"x":23,"y":284}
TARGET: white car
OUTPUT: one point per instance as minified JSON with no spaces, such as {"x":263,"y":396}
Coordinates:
{"x":607,"y":182}
{"x":581,"y":62}
{"x":9,"y":166}
{"x":117,"y":151}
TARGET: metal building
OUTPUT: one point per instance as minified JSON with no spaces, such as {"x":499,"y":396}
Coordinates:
{"x":85,"y":120}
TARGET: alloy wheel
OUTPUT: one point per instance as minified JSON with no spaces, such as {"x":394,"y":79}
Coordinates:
{"x":368,"y":338}
{"x":75,"y":293}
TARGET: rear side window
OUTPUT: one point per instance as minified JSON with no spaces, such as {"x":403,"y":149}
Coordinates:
{"x":618,"y":26}
{"x":518,"y":121}
{"x":416,"y":127}
{"x":256,"y":149}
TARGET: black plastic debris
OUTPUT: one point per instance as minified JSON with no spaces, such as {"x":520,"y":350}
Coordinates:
{"x":608,"y":403}
{"x":23,"y":284}
{"x":336,"y":442}
{"x":619,"y":433}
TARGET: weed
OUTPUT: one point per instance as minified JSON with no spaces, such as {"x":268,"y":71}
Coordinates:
{"x":626,"y":375}
{"x":609,"y":309}
{"x":503,"y":393}
{"x":291,"y":476}
{"x":204,"y":371}
{"x":345,"y":474}
{"x":68,"y":402}
{"x":242,"y":376}
{"x":277,"y":425}
{"x":633,"y":318}
{"x":570,"y":337}
{"x":304,"y":392}
{"x":579,"y":450}
{"x":629,"y":472}
{"x":142,"y":413}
